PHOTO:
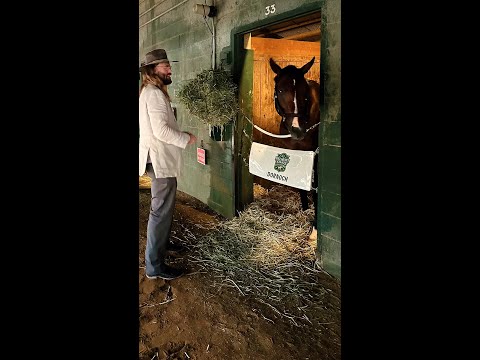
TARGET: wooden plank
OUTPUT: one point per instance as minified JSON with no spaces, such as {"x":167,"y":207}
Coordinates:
{"x":284,"y":48}
{"x":315,"y":21}
{"x":303,"y":35}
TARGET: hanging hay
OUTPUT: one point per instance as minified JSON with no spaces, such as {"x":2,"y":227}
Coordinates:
{"x":211,"y":96}
{"x":264,"y":252}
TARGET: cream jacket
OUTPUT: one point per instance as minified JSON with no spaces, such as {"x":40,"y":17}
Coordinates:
{"x":160,"y":135}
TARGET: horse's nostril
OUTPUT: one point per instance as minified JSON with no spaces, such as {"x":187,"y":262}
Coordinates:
{"x":297,"y":133}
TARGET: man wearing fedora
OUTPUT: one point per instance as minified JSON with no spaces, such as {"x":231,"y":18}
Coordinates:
{"x":160,"y":155}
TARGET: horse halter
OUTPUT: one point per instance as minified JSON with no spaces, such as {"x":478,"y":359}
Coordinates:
{"x":282,"y":113}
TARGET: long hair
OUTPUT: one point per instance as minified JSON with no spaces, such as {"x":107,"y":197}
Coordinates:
{"x":149,"y":77}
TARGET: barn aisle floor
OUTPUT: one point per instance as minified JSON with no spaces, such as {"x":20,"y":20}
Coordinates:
{"x":204,"y":316}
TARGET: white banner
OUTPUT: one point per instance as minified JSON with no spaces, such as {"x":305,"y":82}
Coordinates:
{"x":283,"y":166}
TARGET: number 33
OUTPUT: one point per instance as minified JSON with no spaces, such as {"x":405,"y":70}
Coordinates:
{"x":272,"y":7}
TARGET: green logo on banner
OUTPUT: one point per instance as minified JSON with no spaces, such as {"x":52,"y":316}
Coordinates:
{"x":281,"y":161}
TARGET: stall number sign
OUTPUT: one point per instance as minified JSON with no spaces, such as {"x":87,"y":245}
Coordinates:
{"x":270,"y":9}
{"x":201,"y":158}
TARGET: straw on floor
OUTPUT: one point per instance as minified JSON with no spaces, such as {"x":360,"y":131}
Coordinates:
{"x":265,"y":253}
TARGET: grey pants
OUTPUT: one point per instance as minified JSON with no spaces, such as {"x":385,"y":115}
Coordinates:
{"x":159,"y":221}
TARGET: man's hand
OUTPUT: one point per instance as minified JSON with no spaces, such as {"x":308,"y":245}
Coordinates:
{"x":193,"y":138}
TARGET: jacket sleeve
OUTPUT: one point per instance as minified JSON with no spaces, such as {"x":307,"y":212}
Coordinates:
{"x":157,"y":111}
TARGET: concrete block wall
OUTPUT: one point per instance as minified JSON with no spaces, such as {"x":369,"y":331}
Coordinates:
{"x":187,"y":38}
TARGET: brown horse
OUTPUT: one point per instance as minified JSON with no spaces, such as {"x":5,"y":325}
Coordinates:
{"x":297,"y":101}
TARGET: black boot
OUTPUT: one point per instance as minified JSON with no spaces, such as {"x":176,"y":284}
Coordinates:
{"x":174,"y":248}
{"x":167,"y":273}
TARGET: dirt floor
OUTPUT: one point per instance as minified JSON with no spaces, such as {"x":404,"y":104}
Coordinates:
{"x":193,"y":317}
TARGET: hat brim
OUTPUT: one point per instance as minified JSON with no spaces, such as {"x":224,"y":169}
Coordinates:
{"x":158,"y":62}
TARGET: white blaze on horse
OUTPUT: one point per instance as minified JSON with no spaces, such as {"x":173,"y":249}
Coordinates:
{"x":297,"y":101}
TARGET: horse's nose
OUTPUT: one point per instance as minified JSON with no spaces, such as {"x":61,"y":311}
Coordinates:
{"x":297,"y":133}
{"x":295,"y":122}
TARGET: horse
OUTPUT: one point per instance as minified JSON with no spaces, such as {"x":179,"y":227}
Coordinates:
{"x":297,"y":101}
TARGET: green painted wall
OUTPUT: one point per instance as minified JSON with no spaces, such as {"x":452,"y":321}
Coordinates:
{"x":330,"y":134}
{"x":186,"y":37}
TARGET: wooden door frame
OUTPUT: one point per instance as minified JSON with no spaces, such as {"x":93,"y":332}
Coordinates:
{"x":241,"y":199}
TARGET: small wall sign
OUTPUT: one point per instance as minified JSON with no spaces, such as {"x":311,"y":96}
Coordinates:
{"x":201,"y":156}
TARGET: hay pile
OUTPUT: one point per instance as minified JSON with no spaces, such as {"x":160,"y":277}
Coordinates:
{"x":265,"y":253}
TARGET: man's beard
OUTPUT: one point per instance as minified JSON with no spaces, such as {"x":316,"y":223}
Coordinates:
{"x":166,"y":80}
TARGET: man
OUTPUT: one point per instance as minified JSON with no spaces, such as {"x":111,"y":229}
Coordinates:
{"x":160,"y":155}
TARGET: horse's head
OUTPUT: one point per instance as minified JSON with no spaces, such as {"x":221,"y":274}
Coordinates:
{"x":292,"y":97}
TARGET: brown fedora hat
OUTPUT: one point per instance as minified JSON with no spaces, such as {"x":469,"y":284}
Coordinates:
{"x":155,"y":57}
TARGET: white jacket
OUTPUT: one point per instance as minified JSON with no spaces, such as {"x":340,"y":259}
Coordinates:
{"x":159,"y":134}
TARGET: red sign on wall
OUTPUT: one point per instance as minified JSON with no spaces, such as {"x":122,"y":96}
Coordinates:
{"x":201,"y":156}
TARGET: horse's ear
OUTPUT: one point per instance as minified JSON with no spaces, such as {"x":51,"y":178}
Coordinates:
{"x":275,"y":67}
{"x":307,"y":66}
